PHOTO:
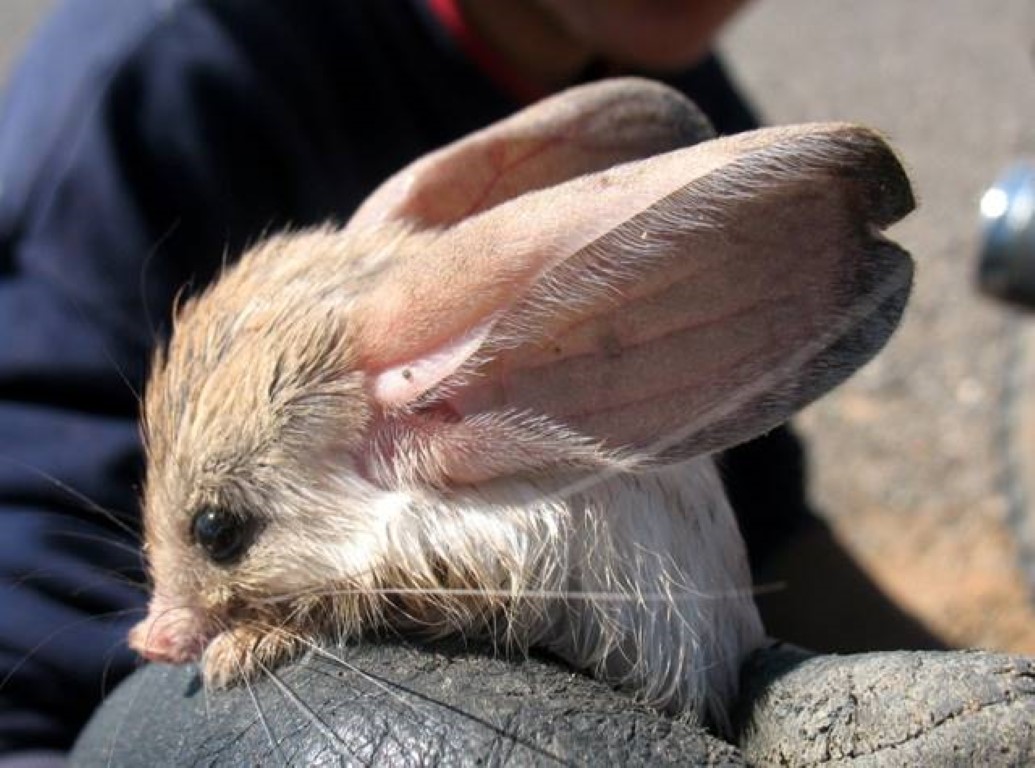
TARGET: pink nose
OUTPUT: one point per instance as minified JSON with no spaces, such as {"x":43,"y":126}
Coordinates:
{"x":170,"y":636}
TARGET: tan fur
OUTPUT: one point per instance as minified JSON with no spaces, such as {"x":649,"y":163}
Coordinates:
{"x":437,"y":422}
{"x":257,"y":406}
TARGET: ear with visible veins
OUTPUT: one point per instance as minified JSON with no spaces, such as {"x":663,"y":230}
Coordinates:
{"x":672,"y":305}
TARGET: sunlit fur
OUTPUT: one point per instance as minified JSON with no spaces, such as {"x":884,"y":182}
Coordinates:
{"x":451,"y":513}
{"x":258,"y":406}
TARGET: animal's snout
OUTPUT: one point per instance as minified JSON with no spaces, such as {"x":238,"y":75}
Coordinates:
{"x":169,"y":635}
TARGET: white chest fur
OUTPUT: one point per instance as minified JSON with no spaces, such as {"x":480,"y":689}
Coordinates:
{"x":641,"y":579}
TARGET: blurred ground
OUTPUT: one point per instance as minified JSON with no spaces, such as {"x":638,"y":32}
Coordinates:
{"x":912,"y":460}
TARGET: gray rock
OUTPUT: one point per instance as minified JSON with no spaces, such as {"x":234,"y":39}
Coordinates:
{"x":881,"y":709}
{"x":395,"y":704}
{"x":390,"y":705}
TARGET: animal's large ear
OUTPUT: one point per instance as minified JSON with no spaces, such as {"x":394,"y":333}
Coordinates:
{"x":583,"y":129}
{"x":672,"y":306}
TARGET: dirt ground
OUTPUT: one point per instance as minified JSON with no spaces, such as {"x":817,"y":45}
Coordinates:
{"x":918,"y":461}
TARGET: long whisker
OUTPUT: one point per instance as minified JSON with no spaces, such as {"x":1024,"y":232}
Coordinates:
{"x":88,"y":319}
{"x":536,"y":594}
{"x":116,"y":576}
{"x":84,"y":536}
{"x":320,"y":651}
{"x":111,"y":575}
{"x":339,"y":746}
{"x":87,"y":502}
{"x":51,"y":635}
{"x":324,"y":653}
{"x":133,"y":389}
{"x":387,"y":685}
{"x":261,"y":713}
{"x":122,"y":720}
{"x":221,"y":627}
{"x":41,"y":573}
{"x":264,"y":721}
{"x":413,"y":714}
{"x":151,"y":254}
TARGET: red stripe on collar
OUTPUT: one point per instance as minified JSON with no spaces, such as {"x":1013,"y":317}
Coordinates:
{"x":451,"y":16}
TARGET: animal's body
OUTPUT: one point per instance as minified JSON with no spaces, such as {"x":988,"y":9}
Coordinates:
{"x":487,"y":405}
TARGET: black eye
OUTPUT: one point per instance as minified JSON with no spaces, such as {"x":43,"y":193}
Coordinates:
{"x":223,"y":535}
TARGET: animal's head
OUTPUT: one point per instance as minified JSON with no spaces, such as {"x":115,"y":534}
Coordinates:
{"x":572,"y":287}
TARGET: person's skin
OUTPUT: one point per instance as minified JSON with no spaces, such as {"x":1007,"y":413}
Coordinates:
{"x":550,"y":42}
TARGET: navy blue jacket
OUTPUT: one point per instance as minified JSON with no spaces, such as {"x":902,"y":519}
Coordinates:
{"x":141,"y":141}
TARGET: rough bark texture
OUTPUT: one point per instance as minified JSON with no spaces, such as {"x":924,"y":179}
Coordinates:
{"x":394,"y":704}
